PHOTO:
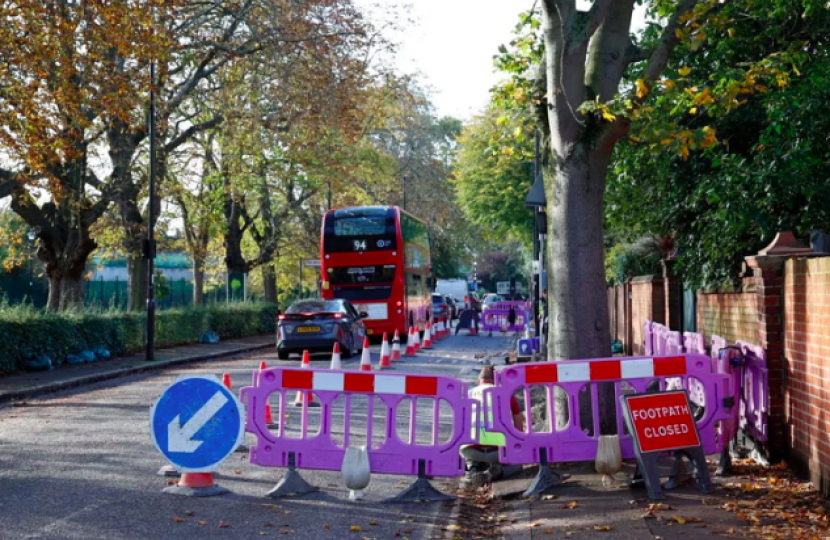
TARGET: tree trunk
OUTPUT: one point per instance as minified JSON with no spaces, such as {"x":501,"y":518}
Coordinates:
{"x":269,"y":283}
{"x":136,"y":282}
{"x":578,"y":325}
{"x":198,"y":285}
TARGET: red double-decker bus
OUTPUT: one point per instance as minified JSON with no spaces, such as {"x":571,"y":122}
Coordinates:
{"x":378,"y":258}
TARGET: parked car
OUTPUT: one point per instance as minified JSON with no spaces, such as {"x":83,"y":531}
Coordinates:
{"x":490,"y":299}
{"x":439,"y":305}
{"x":316,"y":325}
{"x":453,"y":304}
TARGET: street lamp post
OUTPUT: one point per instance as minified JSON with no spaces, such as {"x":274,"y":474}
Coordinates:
{"x":150,"y":246}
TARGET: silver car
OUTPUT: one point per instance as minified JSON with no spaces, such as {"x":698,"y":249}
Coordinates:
{"x":316,"y":325}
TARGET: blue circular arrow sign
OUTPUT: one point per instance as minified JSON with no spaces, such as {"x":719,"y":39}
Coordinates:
{"x":197,"y":423}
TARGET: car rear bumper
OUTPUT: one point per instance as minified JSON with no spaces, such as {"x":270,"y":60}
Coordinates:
{"x":316,"y":344}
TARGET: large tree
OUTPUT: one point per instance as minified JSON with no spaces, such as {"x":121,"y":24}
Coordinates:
{"x":584,"y":110}
{"x":69,"y":70}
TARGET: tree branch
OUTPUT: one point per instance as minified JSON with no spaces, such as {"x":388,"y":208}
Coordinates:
{"x":668,"y":41}
{"x":190,"y":132}
{"x":596,"y":16}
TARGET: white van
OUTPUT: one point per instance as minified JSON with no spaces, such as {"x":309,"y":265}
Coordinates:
{"x":457,"y":288}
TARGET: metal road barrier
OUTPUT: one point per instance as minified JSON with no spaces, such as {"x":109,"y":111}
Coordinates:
{"x":391,"y":401}
{"x":580,"y":380}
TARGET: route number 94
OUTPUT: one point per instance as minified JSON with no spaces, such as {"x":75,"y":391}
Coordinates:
{"x":359,"y":245}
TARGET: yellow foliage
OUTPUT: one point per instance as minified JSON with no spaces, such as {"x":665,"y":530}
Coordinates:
{"x":684,"y":70}
{"x":642,"y":89}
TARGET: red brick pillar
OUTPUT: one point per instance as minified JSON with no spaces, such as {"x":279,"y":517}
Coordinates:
{"x":769,"y":287}
{"x":673,"y":291}
{"x":768,"y":272}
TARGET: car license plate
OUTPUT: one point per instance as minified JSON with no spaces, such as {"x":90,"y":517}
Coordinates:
{"x":308,"y":329}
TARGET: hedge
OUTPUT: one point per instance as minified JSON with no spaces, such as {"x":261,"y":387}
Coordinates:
{"x":27,"y":334}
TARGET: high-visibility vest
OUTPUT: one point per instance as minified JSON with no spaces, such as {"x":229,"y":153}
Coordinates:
{"x":485,"y":438}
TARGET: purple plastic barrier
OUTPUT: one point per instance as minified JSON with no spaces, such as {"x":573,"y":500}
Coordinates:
{"x":694,"y":343}
{"x":518,"y":305}
{"x":721,"y":357}
{"x":495,"y":320}
{"x":674,"y":343}
{"x":575,"y":442}
{"x":659,"y":332}
{"x":325,"y":449}
{"x":755,"y":402}
{"x":648,"y":337}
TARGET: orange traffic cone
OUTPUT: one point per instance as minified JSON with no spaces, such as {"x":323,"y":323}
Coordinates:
{"x":196,"y":485}
{"x":269,"y":418}
{"x":385,"y":358}
{"x":427,"y":337}
{"x":366,"y":357}
{"x":335,"y":357}
{"x":410,"y":343}
{"x":298,"y":401}
{"x":416,"y":339}
{"x":396,"y":347}
{"x":226,"y":380}
{"x":447,"y":326}
{"x":439,"y":330}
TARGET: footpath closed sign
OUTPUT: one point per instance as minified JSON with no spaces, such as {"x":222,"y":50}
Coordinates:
{"x":663,"y":422}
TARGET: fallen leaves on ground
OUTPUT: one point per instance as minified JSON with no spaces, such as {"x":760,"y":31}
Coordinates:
{"x":223,"y":525}
{"x":190,"y":513}
{"x":572,"y":504}
{"x":373,"y":522}
{"x":775,"y":504}
{"x":326,"y":527}
{"x":178,"y":519}
{"x":201,"y":523}
{"x":355,"y":528}
{"x":603,"y":527}
{"x":682,"y":520}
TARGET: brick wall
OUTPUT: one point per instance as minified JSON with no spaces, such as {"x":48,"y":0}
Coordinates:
{"x":733,"y":316}
{"x":648,"y":301}
{"x":807,"y":357}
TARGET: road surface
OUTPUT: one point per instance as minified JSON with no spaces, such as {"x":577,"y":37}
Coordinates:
{"x":80,"y":465}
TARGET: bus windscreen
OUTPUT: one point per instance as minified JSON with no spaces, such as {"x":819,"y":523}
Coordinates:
{"x":360,"y":229}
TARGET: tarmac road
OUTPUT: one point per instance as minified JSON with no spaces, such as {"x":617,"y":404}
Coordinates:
{"x":80,"y":465}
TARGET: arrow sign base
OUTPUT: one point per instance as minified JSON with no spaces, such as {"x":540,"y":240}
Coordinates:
{"x":196,"y":485}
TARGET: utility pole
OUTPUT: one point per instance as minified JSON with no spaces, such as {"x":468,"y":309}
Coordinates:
{"x":536,"y":282}
{"x":150,"y":247}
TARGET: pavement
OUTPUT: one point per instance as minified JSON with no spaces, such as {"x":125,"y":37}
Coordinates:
{"x":23,"y":385}
{"x":583,"y":507}
{"x":78,"y":463}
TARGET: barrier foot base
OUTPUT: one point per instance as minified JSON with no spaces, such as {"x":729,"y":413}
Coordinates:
{"x":291,"y":484}
{"x":242,"y":448}
{"x":168,"y":471}
{"x":724,"y":463}
{"x":420,"y":490}
{"x":545,"y":478}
